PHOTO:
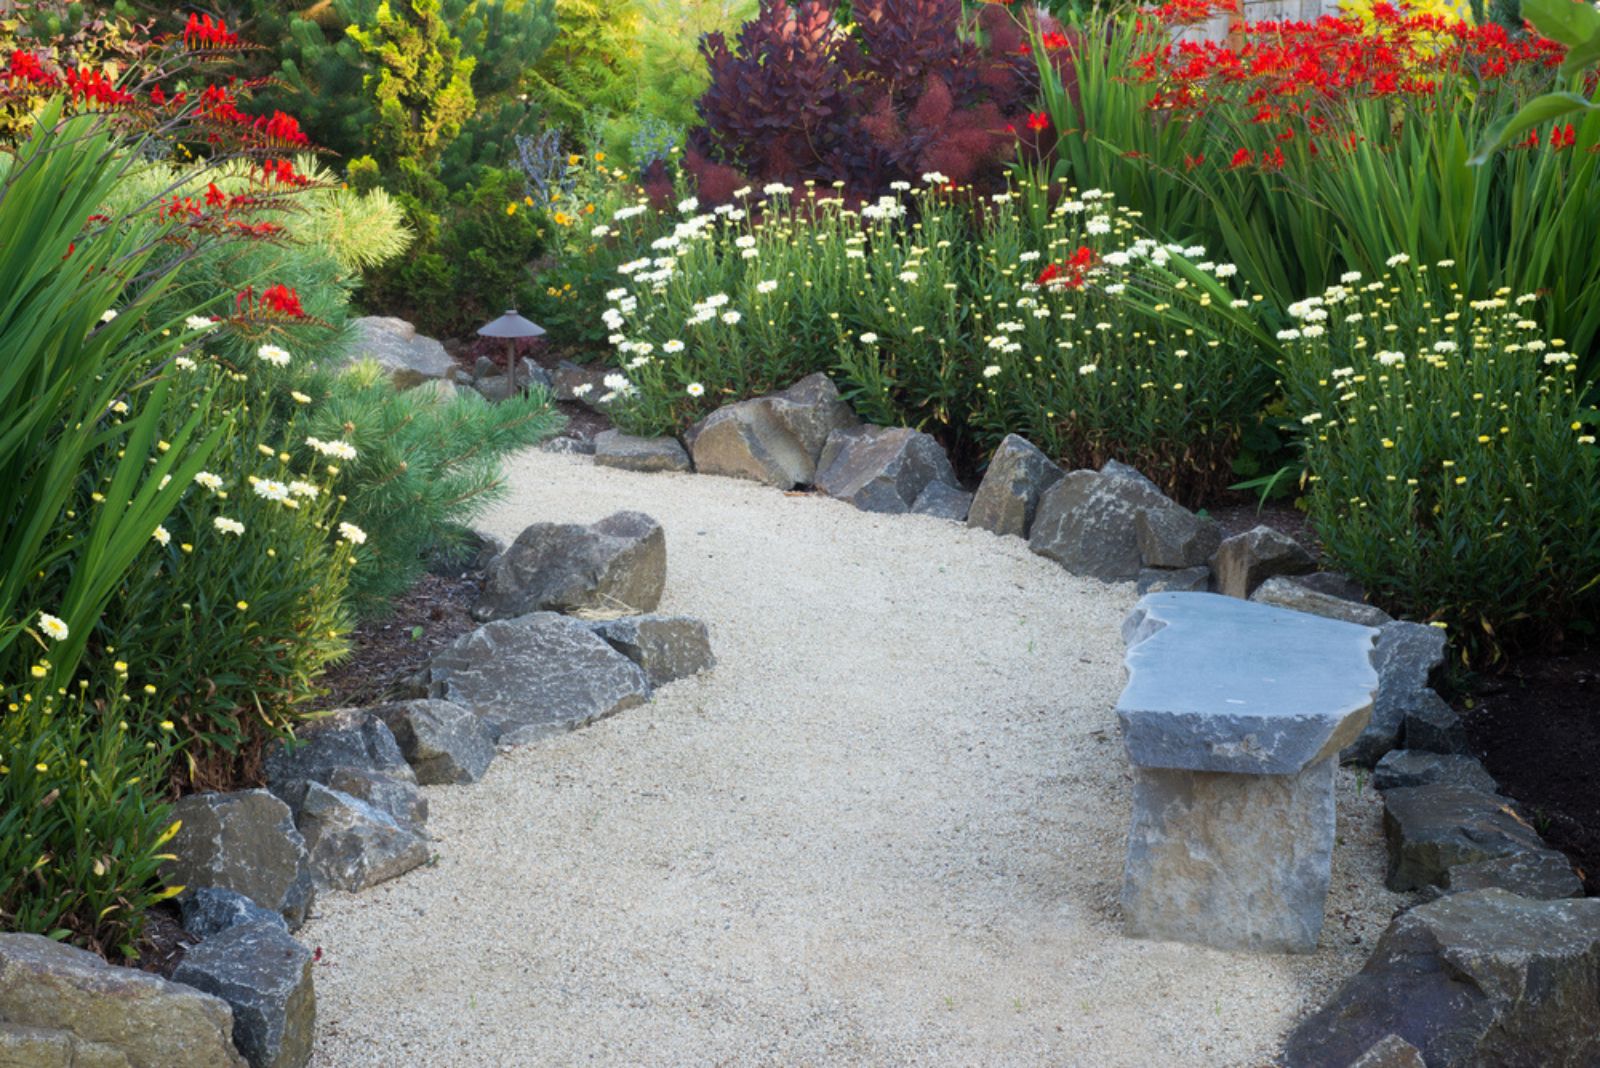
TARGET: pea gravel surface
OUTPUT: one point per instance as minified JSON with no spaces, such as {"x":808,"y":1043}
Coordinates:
{"x":887,"y":829}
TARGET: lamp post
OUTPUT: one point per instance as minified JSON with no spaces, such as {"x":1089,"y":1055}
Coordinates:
{"x":511,"y":326}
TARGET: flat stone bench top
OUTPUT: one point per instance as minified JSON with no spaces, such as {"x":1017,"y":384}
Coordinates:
{"x":1220,"y":684}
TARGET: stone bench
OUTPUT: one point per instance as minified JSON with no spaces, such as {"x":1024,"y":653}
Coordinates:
{"x":1233,"y":718}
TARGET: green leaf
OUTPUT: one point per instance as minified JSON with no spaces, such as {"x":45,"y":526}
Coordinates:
{"x":1534,"y":113}
{"x":1565,"y":21}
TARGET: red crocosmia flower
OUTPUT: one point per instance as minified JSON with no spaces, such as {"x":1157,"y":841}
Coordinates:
{"x":214,"y":196}
{"x":157,"y":96}
{"x":1048,"y":275}
{"x":1562,"y":137}
{"x":1038,"y":120}
{"x":1241,"y":158}
{"x":280,"y":298}
{"x":1191,"y":162}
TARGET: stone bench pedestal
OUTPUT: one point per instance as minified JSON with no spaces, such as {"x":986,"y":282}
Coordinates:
{"x":1233,"y":718}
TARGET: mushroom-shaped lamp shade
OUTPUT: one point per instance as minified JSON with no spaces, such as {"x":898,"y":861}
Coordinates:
{"x":511,"y":325}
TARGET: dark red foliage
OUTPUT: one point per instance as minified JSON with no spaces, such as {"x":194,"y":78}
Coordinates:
{"x":915,"y":86}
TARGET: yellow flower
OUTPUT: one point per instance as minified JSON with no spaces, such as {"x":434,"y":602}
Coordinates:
{"x":563,"y":219}
{"x":528,"y":201}
{"x":511,"y":209}
{"x":588,"y":209}
{"x":166,"y":725}
{"x":599,"y":157}
{"x":38,"y":671}
{"x":121,"y":666}
{"x":149,"y":689}
{"x":574,"y":159}
{"x":243,"y":606}
{"x":41,"y":767}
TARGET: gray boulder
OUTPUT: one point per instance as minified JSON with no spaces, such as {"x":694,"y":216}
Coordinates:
{"x":1391,"y":1051}
{"x":665,"y":647}
{"x":1401,"y":768}
{"x":63,"y":1006}
{"x":348,"y":739}
{"x":881,"y":469}
{"x":443,"y":742}
{"x":1018,"y":474}
{"x":245,"y":842}
{"x":1431,"y":829}
{"x":618,"y":566}
{"x":568,"y":445}
{"x":744,"y":440}
{"x":497,"y":388}
{"x":265,"y":977}
{"x":1287,"y":592}
{"x":1474,"y":979}
{"x":409,"y":358}
{"x":1184,"y":580}
{"x":209,"y":910}
{"x":1407,"y":654}
{"x":1087,"y":522}
{"x":1171,"y":536}
{"x":1246,"y":560}
{"x":537,"y":675}
{"x":354,"y":845}
{"x":777,"y":439}
{"x":400,"y":798}
{"x":1433,"y":726}
{"x":1334,"y":584}
{"x":943,"y":501}
{"x":1542,"y":874}
{"x":612,"y":448}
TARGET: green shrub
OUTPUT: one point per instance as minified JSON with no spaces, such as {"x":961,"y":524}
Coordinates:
{"x":591,"y":70}
{"x":472,"y":256}
{"x":425,"y":465}
{"x":1453,"y":469}
{"x":971,"y":324}
{"x":81,"y":820}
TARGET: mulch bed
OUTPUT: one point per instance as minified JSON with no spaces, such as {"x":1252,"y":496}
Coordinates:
{"x":423,"y":620}
{"x":1537,"y":729}
{"x":164,"y":942}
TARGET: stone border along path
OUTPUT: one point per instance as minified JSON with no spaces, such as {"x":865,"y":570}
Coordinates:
{"x":888,"y":828}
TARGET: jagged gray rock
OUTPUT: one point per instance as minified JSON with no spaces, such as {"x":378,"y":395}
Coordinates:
{"x":1008,"y":496}
{"x":1171,"y":536}
{"x":1542,"y":874}
{"x":399,"y":798}
{"x":57,"y":1000}
{"x":536,"y":675}
{"x":585,"y":385}
{"x":265,"y":977}
{"x":1391,"y":1051}
{"x":1431,"y":829}
{"x":246,"y":842}
{"x":1185,"y":580}
{"x":349,"y":738}
{"x":1401,"y":768}
{"x":1407,"y":654}
{"x":444,"y":742}
{"x":881,"y":469}
{"x":1289,"y":592}
{"x":1233,"y":802}
{"x":1474,"y":979}
{"x":1087,"y":522}
{"x":612,"y":448}
{"x":775,"y":439}
{"x":568,"y":445}
{"x":1246,"y":560}
{"x":209,"y":910}
{"x":618,"y":565}
{"x":409,"y":358}
{"x":943,"y":501}
{"x":352,"y":844}
{"x":1433,"y":726}
{"x":665,"y":647}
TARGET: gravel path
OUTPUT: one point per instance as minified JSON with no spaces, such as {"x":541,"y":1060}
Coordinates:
{"x":888,"y":829}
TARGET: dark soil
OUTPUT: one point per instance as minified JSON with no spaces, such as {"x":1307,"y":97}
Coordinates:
{"x":1237,"y":517}
{"x":1537,"y":729}
{"x":423,"y":620}
{"x":164,"y":942}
